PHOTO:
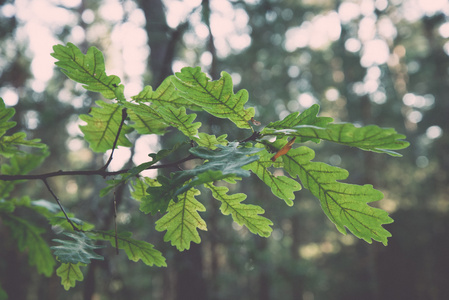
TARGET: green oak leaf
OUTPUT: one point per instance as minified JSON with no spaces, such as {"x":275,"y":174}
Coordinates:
{"x":215,"y":97}
{"x":182,"y":221}
{"x":281,"y":186}
{"x":242,"y":214}
{"x":69,"y":274}
{"x":29,"y":238}
{"x":88,"y":70}
{"x":135,"y":249}
{"x":102,"y":126}
{"x":344,"y":204}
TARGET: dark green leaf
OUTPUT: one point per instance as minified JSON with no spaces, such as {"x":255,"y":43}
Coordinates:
{"x":79,"y":249}
{"x":223,"y":162}
{"x":29,"y":238}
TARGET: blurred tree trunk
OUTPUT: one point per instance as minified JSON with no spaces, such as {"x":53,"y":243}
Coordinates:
{"x":161,"y":39}
{"x":190,"y":283}
{"x":297,"y":285}
{"x":188,"y":277}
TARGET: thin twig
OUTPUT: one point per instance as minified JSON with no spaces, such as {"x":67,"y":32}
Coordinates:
{"x":99,"y":172}
{"x":115,"y":223}
{"x":253,"y":137}
{"x":60,"y":205}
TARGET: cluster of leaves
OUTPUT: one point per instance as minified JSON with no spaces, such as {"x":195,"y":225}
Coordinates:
{"x":219,"y":163}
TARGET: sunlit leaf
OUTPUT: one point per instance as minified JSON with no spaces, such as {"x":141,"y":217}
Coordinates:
{"x":243,"y":214}
{"x":88,"y":70}
{"x":146,"y":119}
{"x":178,"y":118}
{"x":307,"y":126}
{"x":215,"y":97}
{"x":9,"y":144}
{"x":344,"y":204}
{"x":164,"y":95}
{"x":5,"y":115}
{"x":281,"y":186}
{"x":135,"y":249}
{"x":182,"y":221}
{"x":69,"y":274}
{"x":102,"y":126}
{"x":210,"y":141}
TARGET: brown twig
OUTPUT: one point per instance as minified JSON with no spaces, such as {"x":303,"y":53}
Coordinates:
{"x":60,"y":205}
{"x":124,"y":115}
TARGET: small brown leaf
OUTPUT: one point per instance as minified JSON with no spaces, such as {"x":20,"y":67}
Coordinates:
{"x":284,"y":150}
{"x":255,"y":122}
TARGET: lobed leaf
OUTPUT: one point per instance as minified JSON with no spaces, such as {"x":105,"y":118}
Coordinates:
{"x":139,"y":186}
{"x":215,"y":97}
{"x":307,"y":117}
{"x":307,"y":126}
{"x":9,"y":144}
{"x":29,"y":237}
{"x":242,"y":214}
{"x":178,"y":118}
{"x":135,"y":250}
{"x":70,"y":273}
{"x":147,"y":120}
{"x":5,"y":115}
{"x":223,"y":162}
{"x":344,"y":204}
{"x":102,"y":127}
{"x":210,"y":141}
{"x":182,"y":221}
{"x":165,"y":95}
{"x":81,"y":249}
{"x":88,"y":70}
{"x":281,"y":186}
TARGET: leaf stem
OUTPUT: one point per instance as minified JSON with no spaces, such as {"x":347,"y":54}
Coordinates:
{"x":124,"y":115}
{"x":60,"y":206}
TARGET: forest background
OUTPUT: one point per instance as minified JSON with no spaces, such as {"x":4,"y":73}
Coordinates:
{"x":366,"y":62}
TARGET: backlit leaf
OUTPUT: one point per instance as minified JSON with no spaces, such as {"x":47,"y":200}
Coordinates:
{"x":102,"y":126}
{"x":281,"y":186}
{"x":344,"y":204}
{"x":215,"y":97}
{"x":307,"y":126}
{"x":164,"y":95}
{"x":182,"y":221}
{"x":88,"y":70}
{"x":69,"y":274}
{"x":242,"y":214}
{"x":135,"y":249}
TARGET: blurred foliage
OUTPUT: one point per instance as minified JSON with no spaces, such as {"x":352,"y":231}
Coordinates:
{"x":304,"y":258}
